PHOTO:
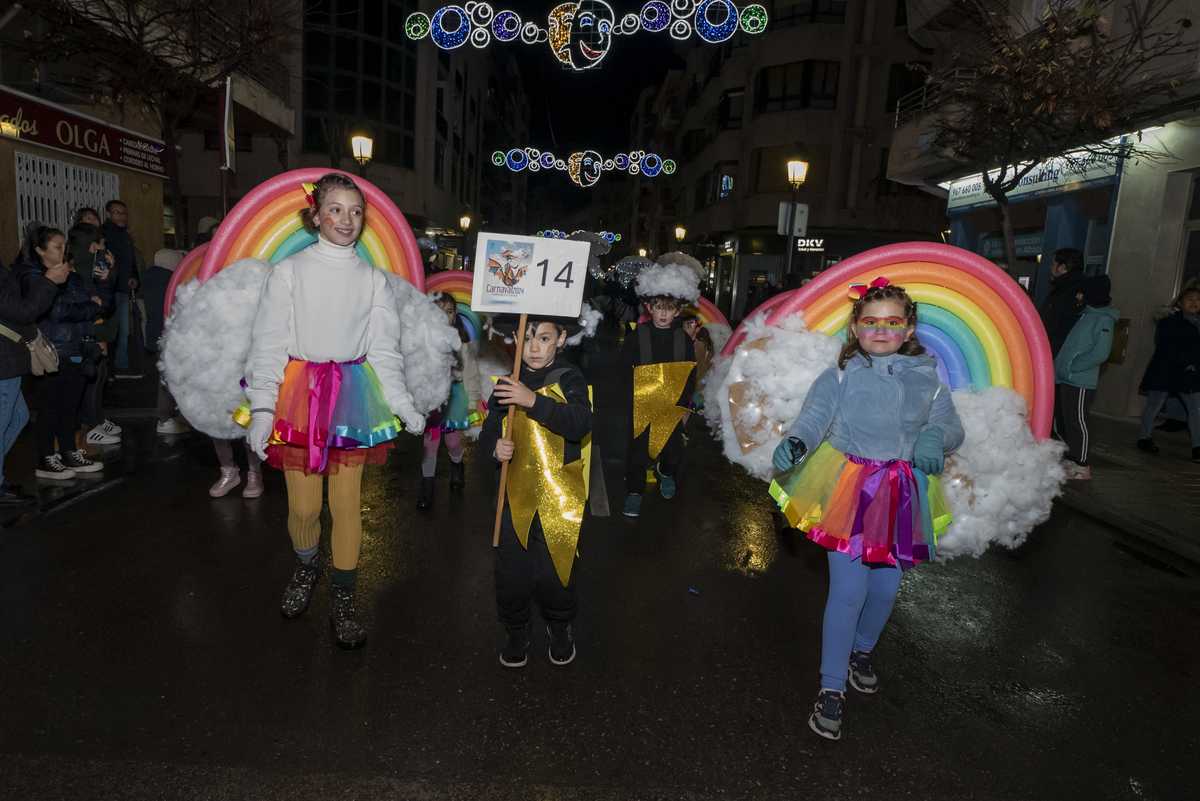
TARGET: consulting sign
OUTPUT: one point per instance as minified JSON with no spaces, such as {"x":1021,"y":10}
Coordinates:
{"x":1053,"y":177}
{"x":529,"y":275}
{"x":32,"y":120}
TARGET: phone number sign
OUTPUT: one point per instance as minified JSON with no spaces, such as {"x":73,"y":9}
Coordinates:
{"x":529,"y":275}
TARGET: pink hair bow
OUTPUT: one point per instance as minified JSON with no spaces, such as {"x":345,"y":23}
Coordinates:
{"x":858,"y":290}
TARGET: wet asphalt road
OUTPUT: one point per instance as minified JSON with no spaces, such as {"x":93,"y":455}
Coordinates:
{"x":144,"y":657}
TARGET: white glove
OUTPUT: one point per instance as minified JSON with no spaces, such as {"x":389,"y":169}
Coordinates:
{"x":413,"y":423}
{"x":259,"y":432}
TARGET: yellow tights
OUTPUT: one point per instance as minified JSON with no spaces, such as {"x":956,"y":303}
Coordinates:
{"x":304,"y":512}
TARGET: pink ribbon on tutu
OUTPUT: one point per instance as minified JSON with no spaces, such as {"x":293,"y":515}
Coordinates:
{"x":322,"y":400}
{"x":888,"y":510}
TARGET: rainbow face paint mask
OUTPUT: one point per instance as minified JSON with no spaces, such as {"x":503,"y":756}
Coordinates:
{"x":894,"y":328}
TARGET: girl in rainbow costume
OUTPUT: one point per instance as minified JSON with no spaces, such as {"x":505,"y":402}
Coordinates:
{"x":463,"y":409}
{"x":861,"y":466}
{"x":325,"y":386}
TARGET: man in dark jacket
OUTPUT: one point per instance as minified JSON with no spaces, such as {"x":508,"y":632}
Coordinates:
{"x":19,"y":313}
{"x":120,"y":244}
{"x":1060,"y":310}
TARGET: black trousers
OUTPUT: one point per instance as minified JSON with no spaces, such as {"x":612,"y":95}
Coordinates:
{"x":524,"y":576}
{"x":91,"y":413}
{"x":58,"y":396}
{"x":1072,"y":413}
{"x":669,"y":460}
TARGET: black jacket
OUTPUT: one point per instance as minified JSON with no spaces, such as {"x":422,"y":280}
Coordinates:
{"x":662,"y":349}
{"x":20,"y":308}
{"x":1176,"y":345}
{"x":120,"y":244}
{"x":70,"y":317}
{"x":1060,"y":310}
{"x":571,"y":420}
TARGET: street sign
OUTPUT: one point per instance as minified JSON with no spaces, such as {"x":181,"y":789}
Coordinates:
{"x":529,"y":275}
{"x":801,"y":219}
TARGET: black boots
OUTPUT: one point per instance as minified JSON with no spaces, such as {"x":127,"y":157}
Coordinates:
{"x":458,"y":478}
{"x":300,"y":589}
{"x":346,"y":629}
{"x":426,"y":499}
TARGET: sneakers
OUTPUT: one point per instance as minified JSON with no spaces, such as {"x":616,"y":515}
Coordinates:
{"x":1077,"y":471}
{"x":666,"y":484}
{"x":78,"y":461}
{"x":516,"y":643}
{"x":425,"y":501}
{"x":633,"y":505}
{"x":109,"y":427}
{"x":11,"y":495}
{"x":862,"y":677}
{"x":300,"y":589}
{"x":230,"y":478}
{"x":1147,"y":445}
{"x":175,"y":425}
{"x":98,"y":436}
{"x":826,"y":719}
{"x":562,"y":644}
{"x":51,"y":467}
{"x":347,"y":631}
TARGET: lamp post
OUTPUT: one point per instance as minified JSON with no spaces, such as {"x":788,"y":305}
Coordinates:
{"x":642,"y":252}
{"x":680,"y":234}
{"x":362,"y":147}
{"x":797,"y":170}
{"x":464,"y":222}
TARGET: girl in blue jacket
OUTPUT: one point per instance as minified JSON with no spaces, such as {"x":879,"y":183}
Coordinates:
{"x":1077,"y":370}
{"x":850,"y":481}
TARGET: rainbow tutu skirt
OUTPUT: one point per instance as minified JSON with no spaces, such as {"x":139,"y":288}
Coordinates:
{"x":330,"y":415}
{"x":455,"y":414}
{"x":883,"y":512}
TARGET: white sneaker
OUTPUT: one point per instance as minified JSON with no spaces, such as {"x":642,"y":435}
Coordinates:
{"x":97,"y":436}
{"x":52,"y":467}
{"x":109,"y":427}
{"x":175,"y":425}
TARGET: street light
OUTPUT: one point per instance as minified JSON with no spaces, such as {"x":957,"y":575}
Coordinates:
{"x":464,"y":222}
{"x":642,"y":252}
{"x":362,"y":147}
{"x":680,"y":233}
{"x":797,"y":171}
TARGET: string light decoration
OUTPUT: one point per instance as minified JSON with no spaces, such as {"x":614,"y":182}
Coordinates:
{"x":554,"y":233}
{"x":584,"y":167}
{"x":580,"y":33}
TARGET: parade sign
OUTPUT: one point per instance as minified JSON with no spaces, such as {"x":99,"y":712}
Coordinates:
{"x":49,"y":125}
{"x":529,"y":275}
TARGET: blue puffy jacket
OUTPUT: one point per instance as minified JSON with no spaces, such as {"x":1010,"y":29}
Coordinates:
{"x":70,"y":318}
{"x":1086,"y":348}
{"x":877,"y":410}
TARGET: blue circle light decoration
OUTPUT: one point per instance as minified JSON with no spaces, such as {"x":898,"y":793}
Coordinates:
{"x":516,"y":159}
{"x":586,"y":166}
{"x":580,"y":33}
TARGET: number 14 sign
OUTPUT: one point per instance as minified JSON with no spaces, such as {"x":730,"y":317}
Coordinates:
{"x":529,"y":275}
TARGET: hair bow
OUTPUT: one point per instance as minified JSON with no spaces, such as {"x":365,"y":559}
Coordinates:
{"x":858,"y":290}
{"x":308,"y":194}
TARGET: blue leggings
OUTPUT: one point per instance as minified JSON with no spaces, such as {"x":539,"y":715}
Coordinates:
{"x":860,"y":602}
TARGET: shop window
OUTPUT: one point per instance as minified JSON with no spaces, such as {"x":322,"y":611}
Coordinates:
{"x":801,"y":84}
{"x":904,"y":78}
{"x":730,"y":111}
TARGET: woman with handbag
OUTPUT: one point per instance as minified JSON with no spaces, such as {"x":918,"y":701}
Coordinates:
{"x":67,"y":324}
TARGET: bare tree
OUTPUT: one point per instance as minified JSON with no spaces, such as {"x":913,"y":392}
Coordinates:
{"x":1066,"y":85}
{"x":170,"y":54}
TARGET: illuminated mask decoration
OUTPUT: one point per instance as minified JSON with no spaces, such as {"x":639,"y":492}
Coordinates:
{"x":585,"y":167}
{"x":580,"y":33}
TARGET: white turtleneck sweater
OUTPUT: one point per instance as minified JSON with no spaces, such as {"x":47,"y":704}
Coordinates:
{"x":326,"y":304}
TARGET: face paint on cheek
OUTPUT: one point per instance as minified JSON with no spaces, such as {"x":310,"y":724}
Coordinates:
{"x":329,"y":220}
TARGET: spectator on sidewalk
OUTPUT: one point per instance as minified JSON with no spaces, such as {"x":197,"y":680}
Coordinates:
{"x":206,"y":230}
{"x":84,"y":214}
{"x":1175,"y":368}
{"x":86,"y":242}
{"x":1060,"y":309}
{"x":1077,"y":369}
{"x":66,"y":325}
{"x":121,"y":244}
{"x":20,"y":308}
{"x":155,"y":281}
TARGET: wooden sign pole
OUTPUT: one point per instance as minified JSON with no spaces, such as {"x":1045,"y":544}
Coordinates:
{"x":512,"y":410}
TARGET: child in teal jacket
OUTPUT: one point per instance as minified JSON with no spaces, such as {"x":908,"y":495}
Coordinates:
{"x":1077,"y":370}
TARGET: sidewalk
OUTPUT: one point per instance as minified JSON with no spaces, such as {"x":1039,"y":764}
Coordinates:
{"x":1153,"y":497}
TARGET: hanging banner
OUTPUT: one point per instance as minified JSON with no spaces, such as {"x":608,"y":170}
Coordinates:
{"x":49,"y":125}
{"x":529,"y":275}
{"x":230,"y":138}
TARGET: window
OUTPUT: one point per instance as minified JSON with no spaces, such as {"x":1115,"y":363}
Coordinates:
{"x":808,"y":12}
{"x":729,"y":113}
{"x":439,"y":163}
{"x":243,"y":142}
{"x":725,"y":187}
{"x":902,"y":79}
{"x":801,"y":84}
